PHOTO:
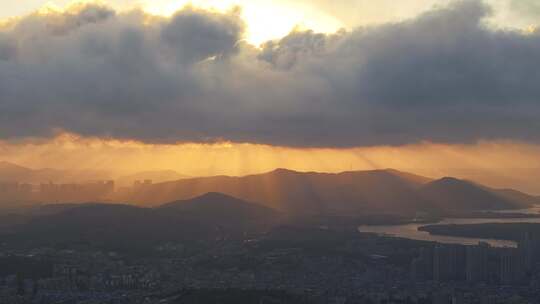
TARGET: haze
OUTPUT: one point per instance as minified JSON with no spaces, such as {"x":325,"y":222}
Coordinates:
{"x":270,"y":151}
{"x":314,"y":98}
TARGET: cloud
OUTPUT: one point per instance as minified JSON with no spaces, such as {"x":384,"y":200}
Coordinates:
{"x":361,"y":12}
{"x":442,"y":77}
{"x":197,"y":35}
{"x":526,"y":7}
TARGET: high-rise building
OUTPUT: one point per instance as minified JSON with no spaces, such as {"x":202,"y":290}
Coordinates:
{"x":141,"y":185}
{"x":477,"y":263}
{"x":422,"y":266}
{"x":449,"y":262}
{"x":526,"y":248}
{"x":511,"y":271}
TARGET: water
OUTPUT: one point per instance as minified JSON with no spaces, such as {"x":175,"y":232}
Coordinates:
{"x":410,"y":231}
{"x":532,"y":210}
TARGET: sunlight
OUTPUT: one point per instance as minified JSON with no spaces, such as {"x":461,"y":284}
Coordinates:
{"x":266,"y":20}
{"x":69,"y":151}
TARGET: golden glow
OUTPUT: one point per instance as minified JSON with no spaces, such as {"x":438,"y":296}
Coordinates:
{"x":500,"y":164}
{"x":496,"y":163}
{"x":266,"y":20}
{"x":272,"y":19}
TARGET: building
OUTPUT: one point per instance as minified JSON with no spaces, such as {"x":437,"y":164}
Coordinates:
{"x":14,"y":191}
{"x":477,"y":267}
{"x":92,"y":191}
{"x":448,"y":263}
{"x":511,"y":270}
{"x":527,"y":249}
{"x":142,"y":185}
{"x":422,"y":266}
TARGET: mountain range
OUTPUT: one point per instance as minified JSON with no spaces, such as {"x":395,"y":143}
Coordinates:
{"x":157,"y":176}
{"x":224,"y":207}
{"x":347,"y":193}
{"x":10,"y":172}
{"x":308,"y":193}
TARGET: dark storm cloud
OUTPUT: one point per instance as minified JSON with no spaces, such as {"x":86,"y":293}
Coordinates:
{"x":441,"y":77}
{"x":214,"y":34}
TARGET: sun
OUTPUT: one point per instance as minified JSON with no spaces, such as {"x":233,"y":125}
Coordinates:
{"x":265,"y":19}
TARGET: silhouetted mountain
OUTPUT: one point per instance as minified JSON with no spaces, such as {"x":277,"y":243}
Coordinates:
{"x":414,"y":179}
{"x":9,"y":221}
{"x":155,"y":176}
{"x":347,"y":193}
{"x":459,"y":195}
{"x":523,"y":199}
{"x":51,"y":209}
{"x":208,"y":217}
{"x":95,"y":225}
{"x":522,"y":179}
{"x":14,"y":173}
{"x":214,"y":204}
{"x":360,"y":192}
{"x":220,"y":210}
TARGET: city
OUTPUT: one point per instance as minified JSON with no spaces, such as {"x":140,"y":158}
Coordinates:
{"x":222,"y":248}
{"x":269,"y":152}
{"x":332,"y":267}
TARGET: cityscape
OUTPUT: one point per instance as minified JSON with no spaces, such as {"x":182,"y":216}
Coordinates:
{"x":194,"y":251}
{"x":270,"y":152}
{"x":230,"y":271}
{"x":14,"y":191}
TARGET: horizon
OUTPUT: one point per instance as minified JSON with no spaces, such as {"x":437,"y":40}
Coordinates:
{"x":476,"y":175}
{"x":270,"y":151}
{"x":141,"y":176}
{"x":319,"y":92}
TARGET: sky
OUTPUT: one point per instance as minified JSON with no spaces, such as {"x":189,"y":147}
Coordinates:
{"x":236,"y":87}
{"x":267,"y":19}
{"x":273,"y":19}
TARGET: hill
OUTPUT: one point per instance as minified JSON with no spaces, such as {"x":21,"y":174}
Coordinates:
{"x":119,"y":226}
{"x":13,"y":172}
{"x":358,"y":192}
{"x":219,"y":209}
{"x":222,"y":212}
{"x":523,"y":199}
{"x":10,"y":221}
{"x":458,"y":195}
{"x":154,"y":176}
{"x":414,"y":179}
{"x":10,"y":172}
{"x":348,"y":193}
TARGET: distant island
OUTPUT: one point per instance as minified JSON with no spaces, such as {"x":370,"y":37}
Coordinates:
{"x":502,"y":231}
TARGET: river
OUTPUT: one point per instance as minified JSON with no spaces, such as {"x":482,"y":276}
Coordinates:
{"x":410,"y":231}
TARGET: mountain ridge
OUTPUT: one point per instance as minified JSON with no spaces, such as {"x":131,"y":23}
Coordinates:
{"x":455,"y":194}
{"x":350,"y":192}
{"x":186,"y":220}
{"x":156,"y":176}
